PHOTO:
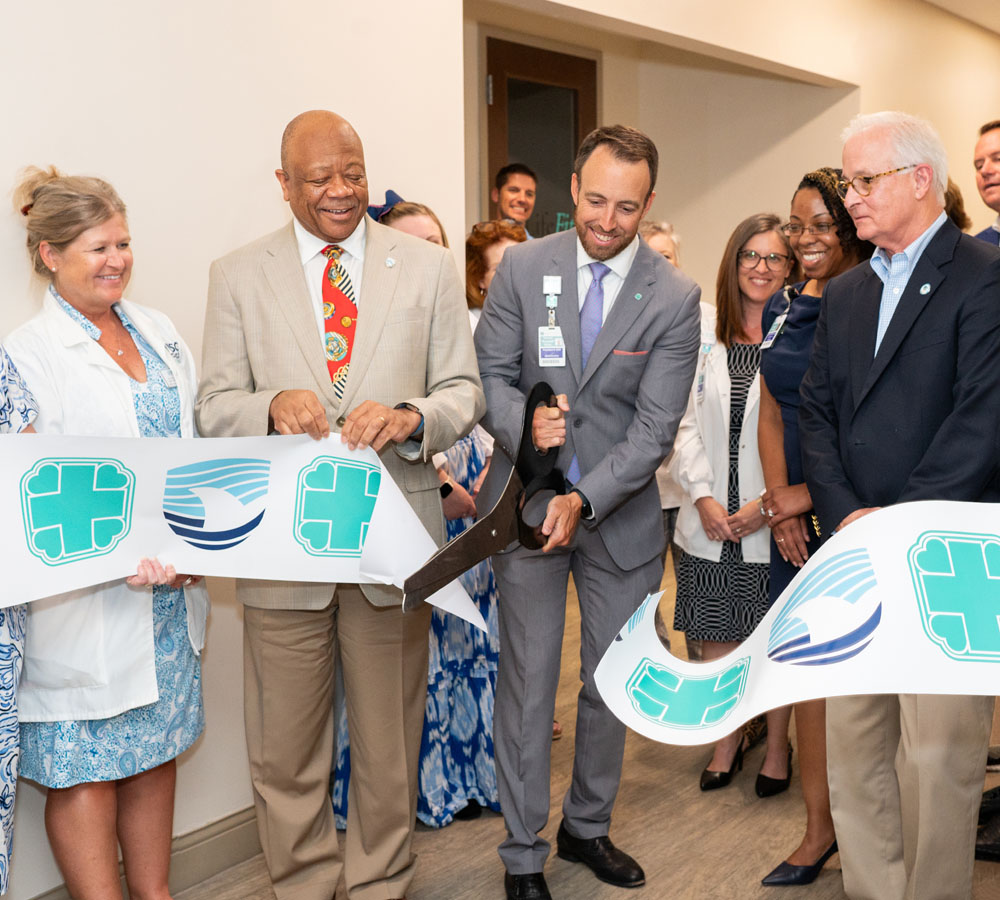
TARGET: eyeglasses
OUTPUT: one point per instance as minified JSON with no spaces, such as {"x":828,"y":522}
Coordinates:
{"x":749,"y":259}
{"x":862,"y":184}
{"x":793,"y":229}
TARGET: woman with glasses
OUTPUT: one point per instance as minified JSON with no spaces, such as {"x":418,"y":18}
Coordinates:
{"x":825,"y":244}
{"x":722,"y":591}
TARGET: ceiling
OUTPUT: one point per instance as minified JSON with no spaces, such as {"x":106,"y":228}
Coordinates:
{"x":982,"y":12}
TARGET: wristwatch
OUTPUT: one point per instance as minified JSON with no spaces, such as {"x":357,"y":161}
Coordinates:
{"x":418,"y":433}
{"x":586,"y":511}
{"x":446,"y":488}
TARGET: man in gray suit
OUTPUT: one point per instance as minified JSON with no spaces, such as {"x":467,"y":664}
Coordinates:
{"x":387,"y":357}
{"x":613,"y":328}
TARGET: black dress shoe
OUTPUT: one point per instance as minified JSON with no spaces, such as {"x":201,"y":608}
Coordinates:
{"x":712,"y":780}
{"x":526,"y":887}
{"x":603,"y":858}
{"x":787,"y":874}
{"x":768,"y":787}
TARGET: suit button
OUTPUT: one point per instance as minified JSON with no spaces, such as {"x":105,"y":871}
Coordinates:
{"x":577,"y":422}
{"x":341,"y":421}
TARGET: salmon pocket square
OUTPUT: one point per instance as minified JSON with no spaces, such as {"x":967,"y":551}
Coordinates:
{"x":630,"y":352}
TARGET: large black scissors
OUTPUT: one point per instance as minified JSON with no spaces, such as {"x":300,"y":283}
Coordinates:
{"x":516,"y":516}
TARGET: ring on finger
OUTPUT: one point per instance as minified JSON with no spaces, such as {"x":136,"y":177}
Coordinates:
{"x":760,"y":504}
{"x":779,"y":540}
{"x":770,"y":513}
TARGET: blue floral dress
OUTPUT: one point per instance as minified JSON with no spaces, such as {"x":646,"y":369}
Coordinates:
{"x":62,"y":754}
{"x":17,"y":411}
{"x":456,"y":750}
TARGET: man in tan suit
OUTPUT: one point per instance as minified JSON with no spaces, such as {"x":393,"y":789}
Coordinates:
{"x":409,"y":382}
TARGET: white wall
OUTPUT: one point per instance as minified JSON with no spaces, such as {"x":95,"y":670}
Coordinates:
{"x":733,"y":142}
{"x":181,"y":105}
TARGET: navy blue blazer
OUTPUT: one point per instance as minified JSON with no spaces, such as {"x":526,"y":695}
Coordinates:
{"x":920,"y":420}
{"x":990,"y":235}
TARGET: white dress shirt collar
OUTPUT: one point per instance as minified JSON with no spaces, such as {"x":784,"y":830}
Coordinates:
{"x":619,"y":264}
{"x":309,"y":244}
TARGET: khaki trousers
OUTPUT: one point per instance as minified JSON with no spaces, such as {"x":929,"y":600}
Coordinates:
{"x":906,"y":779}
{"x":288,"y":706}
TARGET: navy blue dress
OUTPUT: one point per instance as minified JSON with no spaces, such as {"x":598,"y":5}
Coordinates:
{"x":783,"y":366}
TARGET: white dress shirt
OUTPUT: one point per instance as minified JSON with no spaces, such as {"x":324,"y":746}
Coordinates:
{"x":613,"y":281}
{"x":314,"y":265}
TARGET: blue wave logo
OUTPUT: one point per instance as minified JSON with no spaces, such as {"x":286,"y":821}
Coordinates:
{"x":831,"y":616}
{"x":214,"y":505}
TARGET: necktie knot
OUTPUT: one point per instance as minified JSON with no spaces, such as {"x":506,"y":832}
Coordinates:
{"x":333,"y":251}
{"x":599,"y":270}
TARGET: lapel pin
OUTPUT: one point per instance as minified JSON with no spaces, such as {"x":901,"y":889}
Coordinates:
{"x":925,"y":288}
{"x":389,"y":262}
{"x":638,"y":296}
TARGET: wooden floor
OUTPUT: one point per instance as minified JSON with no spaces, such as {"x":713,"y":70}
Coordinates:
{"x":715,"y":846}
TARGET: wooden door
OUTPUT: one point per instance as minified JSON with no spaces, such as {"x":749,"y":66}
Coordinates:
{"x":541,"y":104}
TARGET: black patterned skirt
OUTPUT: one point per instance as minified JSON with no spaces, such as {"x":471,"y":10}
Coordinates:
{"x":725,"y":600}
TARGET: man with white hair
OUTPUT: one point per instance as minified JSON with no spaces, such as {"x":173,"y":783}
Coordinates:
{"x":902,"y":402}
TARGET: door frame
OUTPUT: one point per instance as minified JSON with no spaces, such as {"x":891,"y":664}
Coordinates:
{"x":478,"y":177}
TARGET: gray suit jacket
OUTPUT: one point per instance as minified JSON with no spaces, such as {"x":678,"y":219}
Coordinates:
{"x":624,"y":407}
{"x":413,"y":344}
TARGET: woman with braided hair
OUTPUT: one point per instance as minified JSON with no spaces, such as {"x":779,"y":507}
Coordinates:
{"x":825,"y":243}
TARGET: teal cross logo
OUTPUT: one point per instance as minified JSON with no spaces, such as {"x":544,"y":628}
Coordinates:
{"x":334,"y":502}
{"x":76,"y":508}
{"x":957,"y":581}
{"x":669,"y":698}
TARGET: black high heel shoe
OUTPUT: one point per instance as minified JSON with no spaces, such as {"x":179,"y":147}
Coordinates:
{"x":712,"y":780}
{"x":768,"y":787}
{"x":787,"y":874}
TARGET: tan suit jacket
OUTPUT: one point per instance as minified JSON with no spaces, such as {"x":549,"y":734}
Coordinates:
{"x":413,"y":344}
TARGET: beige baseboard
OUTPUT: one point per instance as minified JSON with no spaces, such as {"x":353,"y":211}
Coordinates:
{"x":201,"y":854}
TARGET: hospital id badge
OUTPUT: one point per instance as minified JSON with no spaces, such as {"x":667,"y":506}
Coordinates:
{"x":551,"y":346}
{"x":773,"y":331}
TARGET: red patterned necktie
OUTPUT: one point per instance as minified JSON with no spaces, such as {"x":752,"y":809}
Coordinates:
{"x":340,"y":315}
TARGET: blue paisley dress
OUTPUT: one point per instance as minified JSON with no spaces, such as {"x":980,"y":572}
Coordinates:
{"x":17,"y":412}
{"x":456,"y":750}
{"x":62,"y":754}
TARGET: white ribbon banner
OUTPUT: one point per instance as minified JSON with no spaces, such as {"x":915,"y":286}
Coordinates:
{"x":77,"y":511}
{"x":904,"y":600}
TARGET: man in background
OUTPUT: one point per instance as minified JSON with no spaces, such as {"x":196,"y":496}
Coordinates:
{"x":987,"y":162}
{"x":514,"y":193}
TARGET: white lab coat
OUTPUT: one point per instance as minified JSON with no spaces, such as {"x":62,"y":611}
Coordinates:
{"x":89,"y":652}
{"x":700,"y":461}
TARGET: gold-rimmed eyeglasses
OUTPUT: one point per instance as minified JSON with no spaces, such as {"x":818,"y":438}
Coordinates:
{"x":862,"y":184}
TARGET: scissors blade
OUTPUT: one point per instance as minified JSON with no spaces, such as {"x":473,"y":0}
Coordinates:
{"x":491,"y":534}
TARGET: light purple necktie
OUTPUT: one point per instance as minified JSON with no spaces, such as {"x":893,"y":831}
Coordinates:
{"x":592,"y":312}
{"x":590,"y":325}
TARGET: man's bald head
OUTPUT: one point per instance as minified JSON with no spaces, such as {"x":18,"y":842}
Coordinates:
{"x":313,"y":121}
{"x":322,"y":174}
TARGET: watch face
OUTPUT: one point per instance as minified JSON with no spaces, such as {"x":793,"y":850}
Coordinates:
{"x":445,"y":490}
